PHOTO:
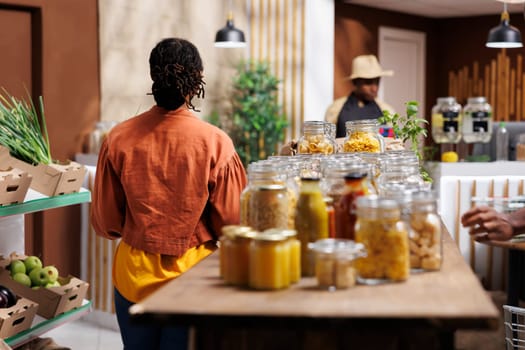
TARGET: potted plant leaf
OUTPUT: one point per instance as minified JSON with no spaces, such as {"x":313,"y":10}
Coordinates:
{"x":25,"y":145}
{"x":257,"y":124}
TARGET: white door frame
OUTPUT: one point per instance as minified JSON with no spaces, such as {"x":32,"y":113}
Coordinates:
{"x":389,"y":34}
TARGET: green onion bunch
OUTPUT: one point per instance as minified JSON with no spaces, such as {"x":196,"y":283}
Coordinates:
{"x":22,"y":131}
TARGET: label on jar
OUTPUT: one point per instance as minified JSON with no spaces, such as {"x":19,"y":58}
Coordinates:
{"x":450,"y":121}
{"x":480,"y":126}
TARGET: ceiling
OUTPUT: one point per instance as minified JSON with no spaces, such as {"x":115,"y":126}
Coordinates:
{"x":444,"y":8}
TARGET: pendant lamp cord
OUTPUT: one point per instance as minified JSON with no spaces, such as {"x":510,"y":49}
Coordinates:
{"x":505,"y":15}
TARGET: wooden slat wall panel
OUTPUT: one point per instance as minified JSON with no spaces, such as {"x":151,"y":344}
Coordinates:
{"x":279,"y":38}
{"x":502,"y":82}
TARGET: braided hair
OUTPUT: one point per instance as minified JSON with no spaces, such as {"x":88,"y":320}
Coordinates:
{"x":176,"y":70}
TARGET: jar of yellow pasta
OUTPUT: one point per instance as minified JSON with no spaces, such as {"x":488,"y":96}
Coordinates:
{"x":269,"y":261}
{"x":380,"y":228}
{"x":363,"y":136}
{"x":316,"y":139}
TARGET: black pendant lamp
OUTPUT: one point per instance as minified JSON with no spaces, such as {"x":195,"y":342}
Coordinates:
{"x":504,"y":35}
{"x":229,"y":36}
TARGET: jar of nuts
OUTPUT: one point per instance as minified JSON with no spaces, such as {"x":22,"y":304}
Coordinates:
{"x":363,"y":136}
{"x":426,"y":247}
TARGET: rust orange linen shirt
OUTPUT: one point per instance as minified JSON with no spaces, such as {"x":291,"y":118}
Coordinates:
{"x":166,"y":181}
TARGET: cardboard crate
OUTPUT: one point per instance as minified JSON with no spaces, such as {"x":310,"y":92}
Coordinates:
{"x":14,"y":184}
{"x":49,"y":179}
{"x":52,"y":301}
{"x":17,"y":318}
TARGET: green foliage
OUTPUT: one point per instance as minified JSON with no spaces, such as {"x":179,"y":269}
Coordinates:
{"x":408,"y":128}
{"x":257,"y":124}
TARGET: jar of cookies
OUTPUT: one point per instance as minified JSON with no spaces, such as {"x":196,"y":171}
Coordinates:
{"x":425,"y":236}
{"x":380,"y":228}
{"x":316,"y":139}
{"x":363,"y":136}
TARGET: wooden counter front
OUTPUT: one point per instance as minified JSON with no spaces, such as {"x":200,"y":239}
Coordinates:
{"x":437,"y":303}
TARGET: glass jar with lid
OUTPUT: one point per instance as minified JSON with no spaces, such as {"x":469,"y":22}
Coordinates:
{"x":477,"y":120}
{"x":234,"y":254}
{"x":426,"y":244}
{"x":380,"y":228}
{"x":355,"y":184}
{"x":316,"y":139}
{"x":400,"y":169}
{"x":363,"y":136}
{"x":334,"y":262}
{"x":311,"y":221}
{"x":265,"y":200}
{"x":269,"y":264}
{"x":446,"y":120}
{"x":295,"y":252}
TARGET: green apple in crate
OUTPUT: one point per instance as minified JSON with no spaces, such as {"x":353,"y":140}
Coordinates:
{"x":22,"y":278}
{"x":32,"y":262}
{"x":51,"y":273}
{"x":17,"y":266}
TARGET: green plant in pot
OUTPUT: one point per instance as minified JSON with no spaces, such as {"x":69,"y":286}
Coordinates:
{"x":23,"y":129}
{"x":257,"y":124}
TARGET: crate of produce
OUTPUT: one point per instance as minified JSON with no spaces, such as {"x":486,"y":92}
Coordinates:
{"x":49,"y":179}
{"x":66,"y":294}
{"x":18,"y":317}
{"x":14,"y":184}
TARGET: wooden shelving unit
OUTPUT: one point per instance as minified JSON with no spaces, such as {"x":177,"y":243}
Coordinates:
{"x":34,"y":202}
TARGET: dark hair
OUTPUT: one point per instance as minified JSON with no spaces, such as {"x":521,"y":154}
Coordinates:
{"x":176,"y":70}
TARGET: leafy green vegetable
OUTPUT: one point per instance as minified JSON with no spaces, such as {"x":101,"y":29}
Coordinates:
{"x":409,"y":128}
{"x":22,"y":131}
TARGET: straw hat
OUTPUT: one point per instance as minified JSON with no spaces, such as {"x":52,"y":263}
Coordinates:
{"x":367,"y":67}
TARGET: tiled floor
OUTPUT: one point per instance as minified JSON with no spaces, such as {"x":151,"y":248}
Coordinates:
{"x":85,"y":335}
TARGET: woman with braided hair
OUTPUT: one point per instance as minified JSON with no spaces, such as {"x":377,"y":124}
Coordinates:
{"x":166,"y":183}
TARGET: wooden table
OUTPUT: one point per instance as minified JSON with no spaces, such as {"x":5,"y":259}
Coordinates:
{"x":516,"y":261}
{"x":426,"y":309}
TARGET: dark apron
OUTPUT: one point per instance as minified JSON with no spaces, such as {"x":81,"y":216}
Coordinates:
{"x":352,"y":111}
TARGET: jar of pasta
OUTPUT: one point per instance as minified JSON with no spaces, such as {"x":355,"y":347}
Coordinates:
{"x":426,"y":244}
{"x":363,"y":136}
{"x":334,"y":262}
{"x":234,"y":254}
{"x":384,"y":234}
{"x":316,"y":139}
{"x":446,"y":120}
{"x":269,"y":263}
{"x":477,"y":120}
{"x":311,"y":221}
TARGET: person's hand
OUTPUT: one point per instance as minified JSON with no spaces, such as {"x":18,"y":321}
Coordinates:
{"x":485,"y":223}
{"x":289,"y":149}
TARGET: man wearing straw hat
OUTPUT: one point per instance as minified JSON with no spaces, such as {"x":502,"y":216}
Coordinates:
{"x":362,"y":103}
